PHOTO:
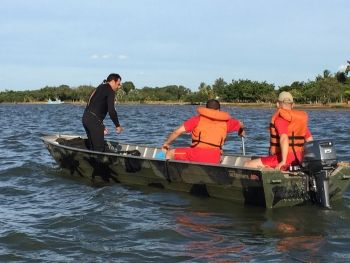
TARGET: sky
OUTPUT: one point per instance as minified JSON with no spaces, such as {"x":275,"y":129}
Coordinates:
{"x":156,"y":43}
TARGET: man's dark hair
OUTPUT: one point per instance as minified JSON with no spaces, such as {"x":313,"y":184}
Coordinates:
{"x":213,"y":104}
{"x":113,"y":76}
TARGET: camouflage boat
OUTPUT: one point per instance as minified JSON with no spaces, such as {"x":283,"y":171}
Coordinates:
{"x":321,"y":180}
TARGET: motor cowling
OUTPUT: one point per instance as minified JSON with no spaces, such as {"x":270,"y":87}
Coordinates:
{"x":318,"y":162}
{"x":319,"y":155}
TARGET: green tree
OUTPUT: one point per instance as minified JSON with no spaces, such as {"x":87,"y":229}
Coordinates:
{"x":341,"y":77}
{"x":206,"y":90}
{"x":219,"y":87}
{"x":128,"y":86}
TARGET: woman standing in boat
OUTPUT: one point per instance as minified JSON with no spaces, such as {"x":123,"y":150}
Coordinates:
{"x":101,"y":101}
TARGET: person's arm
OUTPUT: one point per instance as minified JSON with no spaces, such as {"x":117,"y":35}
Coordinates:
{"x":282,"y":129}
{"x":112,"y":112}
{"x":241,"y":131}
{"x":308,"y":136}
{"x":236,"y":125}
{"x":284,"y":144}
{"x":309,"y":139}
{"x":176,"y":133}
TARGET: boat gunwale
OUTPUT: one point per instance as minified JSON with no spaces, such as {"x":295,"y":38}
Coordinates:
{"x":50,"y":140}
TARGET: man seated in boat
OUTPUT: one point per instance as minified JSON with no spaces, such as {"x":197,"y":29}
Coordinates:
{"x":209,"y":130}
{"x":288,"y":133}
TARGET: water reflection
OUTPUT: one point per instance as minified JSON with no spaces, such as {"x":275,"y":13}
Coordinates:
{"x":233,"y":233}
{"x":212,"y":246}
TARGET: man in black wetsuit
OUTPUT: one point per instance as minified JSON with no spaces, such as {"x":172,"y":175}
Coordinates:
{"x":101,"y":101}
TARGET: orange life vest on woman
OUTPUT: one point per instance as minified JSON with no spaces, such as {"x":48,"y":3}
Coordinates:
{"x":211,"y":130}
{"x":297,"y":129}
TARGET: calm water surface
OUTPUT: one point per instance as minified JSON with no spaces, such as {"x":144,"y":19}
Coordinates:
{"x":46,"y":217}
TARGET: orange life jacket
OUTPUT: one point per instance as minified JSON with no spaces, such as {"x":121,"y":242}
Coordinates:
{"x":211,"y":129}
{"x":297,"y":129}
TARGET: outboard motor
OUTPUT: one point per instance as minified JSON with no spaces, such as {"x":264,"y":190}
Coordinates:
{"x":318,"y":162}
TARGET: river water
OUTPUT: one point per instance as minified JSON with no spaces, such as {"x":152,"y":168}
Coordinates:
{"x":47,"y":217}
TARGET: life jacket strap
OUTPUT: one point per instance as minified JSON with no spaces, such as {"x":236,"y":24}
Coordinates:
{"x":196,"y":142}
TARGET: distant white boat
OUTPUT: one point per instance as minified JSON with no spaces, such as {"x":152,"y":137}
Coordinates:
{"x":56,"y":101}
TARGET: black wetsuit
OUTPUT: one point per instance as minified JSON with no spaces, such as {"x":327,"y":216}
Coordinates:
{"x":101,"y":102}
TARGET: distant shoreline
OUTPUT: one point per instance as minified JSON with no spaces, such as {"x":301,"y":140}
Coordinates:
{"x":240,"y":105}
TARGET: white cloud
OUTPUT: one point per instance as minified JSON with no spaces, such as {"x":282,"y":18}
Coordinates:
{"x":342,"y":68}
{"x":103,"y":56}
{"x":94,"y":56}
{"x":122,"y":57}
{"x":106,"y":56}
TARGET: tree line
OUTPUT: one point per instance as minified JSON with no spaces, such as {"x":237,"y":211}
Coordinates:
{"x":325,"y":88}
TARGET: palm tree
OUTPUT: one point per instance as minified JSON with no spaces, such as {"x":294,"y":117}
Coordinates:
{"x":326,"y":73}
{"x":347,"y":68}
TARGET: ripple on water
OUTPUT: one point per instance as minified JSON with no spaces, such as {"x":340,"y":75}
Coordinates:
{"x":45,"y":217}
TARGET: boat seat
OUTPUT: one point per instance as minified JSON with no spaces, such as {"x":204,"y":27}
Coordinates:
{"x":234,"y":160}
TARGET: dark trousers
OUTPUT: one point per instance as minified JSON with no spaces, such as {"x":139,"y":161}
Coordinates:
{"x":94,"y":130}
